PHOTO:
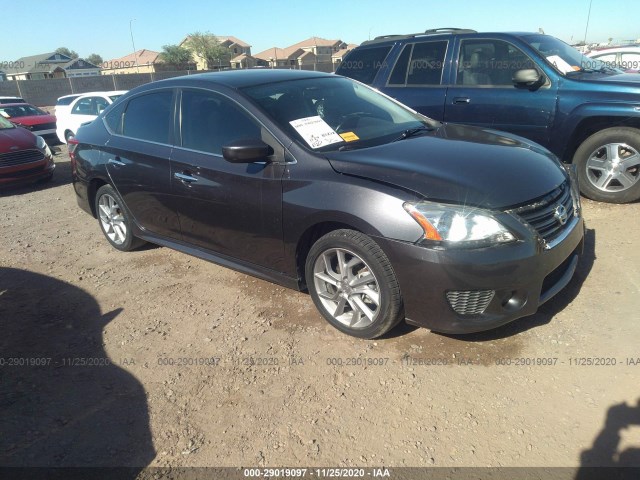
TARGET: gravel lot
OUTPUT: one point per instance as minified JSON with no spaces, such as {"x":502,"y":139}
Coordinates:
{"x":157,"y":358}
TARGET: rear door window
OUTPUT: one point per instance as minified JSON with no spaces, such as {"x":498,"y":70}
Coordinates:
{"x":363,"y":64}
{"x":420,"y":64}
{"x":148,"y":117}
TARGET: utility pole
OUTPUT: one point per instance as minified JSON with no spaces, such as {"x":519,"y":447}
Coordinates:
{"x":587,"y":27}
{"x":135,"y":55}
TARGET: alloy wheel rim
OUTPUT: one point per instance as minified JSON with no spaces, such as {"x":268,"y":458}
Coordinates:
{"x":347,"y":287}
{"x":112,"y":219}
{"x":614,"y":167}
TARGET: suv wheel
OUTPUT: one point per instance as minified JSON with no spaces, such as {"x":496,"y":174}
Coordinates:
{"x":608,"y":164}
{"x":115,"y":220}
{"x":353,"y":284}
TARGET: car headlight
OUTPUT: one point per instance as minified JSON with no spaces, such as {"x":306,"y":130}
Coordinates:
{"x":458,"y":226}
{"x":42,"y":145}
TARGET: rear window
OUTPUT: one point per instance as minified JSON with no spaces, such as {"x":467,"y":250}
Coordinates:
{"x":363,"y":64}
{"x":66,"y":100}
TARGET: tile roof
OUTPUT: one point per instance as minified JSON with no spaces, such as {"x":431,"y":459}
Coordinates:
{"x":316,"y":41}
{"x":143,"y":57}
{"x":222,"y":39}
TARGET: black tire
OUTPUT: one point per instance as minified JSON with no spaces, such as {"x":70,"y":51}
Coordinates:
{"x":594,"y":150}
{"x":115,"y":220}
{"x":67,"y":135}
{"x":370,"y":271}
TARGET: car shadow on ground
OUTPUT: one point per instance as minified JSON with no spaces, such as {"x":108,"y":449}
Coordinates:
{"x":545,"y":313}
{"x":64,"y":401}
{"x":605,"y":453}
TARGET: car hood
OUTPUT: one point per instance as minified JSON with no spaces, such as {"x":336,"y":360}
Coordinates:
{"x":459,"y":164}
{"x":16,"y":137}
{"x":33,"y":119}
{"x":632,"y":79}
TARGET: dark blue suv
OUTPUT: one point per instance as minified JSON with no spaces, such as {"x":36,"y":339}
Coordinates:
{"x":529,"y":84}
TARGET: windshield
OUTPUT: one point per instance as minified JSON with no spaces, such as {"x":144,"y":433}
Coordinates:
{"x":4,"y":124}
{"x":564,"y":57}
{"x":20,"y":111}
{"x":115,"y":97}
{"x":332,"y":113}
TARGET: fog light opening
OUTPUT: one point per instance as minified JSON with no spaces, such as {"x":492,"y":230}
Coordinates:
{"x":513,"y":301}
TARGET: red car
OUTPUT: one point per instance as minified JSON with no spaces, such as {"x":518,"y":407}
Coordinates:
{"x":24,"y":157}
{"x":32,"y":118}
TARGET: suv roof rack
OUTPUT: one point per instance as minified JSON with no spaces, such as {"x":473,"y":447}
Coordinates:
{"x":449,"y":30}
{"x":432,"y":31}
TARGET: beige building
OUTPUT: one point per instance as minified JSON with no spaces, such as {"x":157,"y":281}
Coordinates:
{"x":307,"y":54}
{"x":239,"y":53}
{"x":142,"y":61}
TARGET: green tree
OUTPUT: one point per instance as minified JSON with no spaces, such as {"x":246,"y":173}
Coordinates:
{"x":175,"y":55}
{"x":95,"y":59}
{"x":67,"y":52}
{"x":206,"y":46}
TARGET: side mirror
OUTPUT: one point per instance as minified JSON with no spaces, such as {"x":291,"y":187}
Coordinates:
{"x":528,"y":78}
{"x":246,"y":150}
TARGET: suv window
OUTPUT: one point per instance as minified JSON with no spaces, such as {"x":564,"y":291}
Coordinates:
{"x":210,"y":121}
{"x":363,"y":64}
{"x":490,"y":62}
{"x":148,"y":117}
{"x":420,"y":64}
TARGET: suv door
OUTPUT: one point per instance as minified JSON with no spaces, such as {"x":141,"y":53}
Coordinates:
{"x":416,"y":78}
{"x":137,"y":158}
{"x":483,"y":92}
{"x":234,"y":209}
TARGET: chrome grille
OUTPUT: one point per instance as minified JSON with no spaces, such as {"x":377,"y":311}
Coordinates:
{"x":469,"y":302}
{"x":550,"y":215}
{"x":20,"y":157}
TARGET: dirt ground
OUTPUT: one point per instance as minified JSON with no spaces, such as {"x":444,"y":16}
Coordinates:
{"x":161,"y":359}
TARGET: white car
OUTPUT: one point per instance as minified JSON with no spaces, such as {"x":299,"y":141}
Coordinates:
{"x":63,"y":104}
{"x":625,"y":58}
{"x":83,"y":109}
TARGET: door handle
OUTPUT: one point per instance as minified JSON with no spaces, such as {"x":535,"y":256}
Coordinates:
{"x":116,"y":161}
{"x":185,"y":177}
{"x":460,"y":100}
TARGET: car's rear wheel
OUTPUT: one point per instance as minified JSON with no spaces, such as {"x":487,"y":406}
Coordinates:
{"x":608,"y":164}
{"x":115,"y":220}
{"x":68,"y":134}
{"x":353,"y":284}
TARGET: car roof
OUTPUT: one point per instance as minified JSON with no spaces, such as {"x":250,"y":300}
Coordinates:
{"x":17,"y":104}
{"x":439,"y":33}
{"x":240,"y":78}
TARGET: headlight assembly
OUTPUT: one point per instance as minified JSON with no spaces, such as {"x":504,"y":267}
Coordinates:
{"x":458,"y":226}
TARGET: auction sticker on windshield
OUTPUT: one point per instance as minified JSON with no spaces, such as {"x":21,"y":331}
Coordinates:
{"x":315,"y":131}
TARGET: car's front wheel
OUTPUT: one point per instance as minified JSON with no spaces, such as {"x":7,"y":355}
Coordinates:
{"x":115,"y":220}
{"x":608,"y":164}
{"x":353,"y":284}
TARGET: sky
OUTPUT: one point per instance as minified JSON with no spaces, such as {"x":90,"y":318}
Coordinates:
{"x":94,"y":26}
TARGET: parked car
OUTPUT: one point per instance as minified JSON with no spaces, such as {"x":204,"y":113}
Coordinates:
{"x":85,"y":108}
{"x":24,"y":157}
{"x":32,"y":118}
{"x":11,"y":100}
{"x":63,"y":104}
{"x":625,"y":58}
{"x":318,"y":182}
{"x":525,"y":83}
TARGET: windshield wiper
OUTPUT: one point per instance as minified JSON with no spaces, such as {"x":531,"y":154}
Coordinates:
{"x":412,"y":132}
